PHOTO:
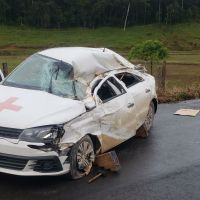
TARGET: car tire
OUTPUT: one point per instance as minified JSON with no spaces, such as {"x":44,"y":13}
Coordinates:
{"x":82,"y":157}
{"x":144,"y":130}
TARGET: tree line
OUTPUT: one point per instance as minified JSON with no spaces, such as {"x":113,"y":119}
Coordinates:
{"x":96,"y":13}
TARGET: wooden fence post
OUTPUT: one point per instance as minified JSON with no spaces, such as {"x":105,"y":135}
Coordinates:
{"x":5,"y":69}
{"x":163,"y":76}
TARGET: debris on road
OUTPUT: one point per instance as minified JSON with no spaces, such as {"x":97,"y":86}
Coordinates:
{"x":106,"y":162}
{"x":187,"y":112}
{"x":100,"y":174}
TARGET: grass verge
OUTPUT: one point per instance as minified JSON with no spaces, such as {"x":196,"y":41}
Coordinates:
{"x":183,"y":40}
{"x":179,"y":94}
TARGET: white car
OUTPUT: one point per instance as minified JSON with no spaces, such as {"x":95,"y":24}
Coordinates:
{"x":63,"y":106}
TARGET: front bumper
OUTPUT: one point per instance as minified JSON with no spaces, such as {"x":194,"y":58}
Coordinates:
{"x":20,"y":159}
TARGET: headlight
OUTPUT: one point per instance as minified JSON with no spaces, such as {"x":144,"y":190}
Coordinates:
{"x":46,"y":134}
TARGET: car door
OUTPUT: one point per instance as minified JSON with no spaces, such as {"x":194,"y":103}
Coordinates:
{"x":119,"y":120}
{"x":138,"y":90}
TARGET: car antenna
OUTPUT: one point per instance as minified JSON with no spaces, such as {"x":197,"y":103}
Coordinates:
{"x":104,"y":49}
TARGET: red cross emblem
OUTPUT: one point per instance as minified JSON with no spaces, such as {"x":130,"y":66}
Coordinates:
{"x":9,"y":105}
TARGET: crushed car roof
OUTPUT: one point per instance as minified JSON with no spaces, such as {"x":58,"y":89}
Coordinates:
{"x":88,"y":62}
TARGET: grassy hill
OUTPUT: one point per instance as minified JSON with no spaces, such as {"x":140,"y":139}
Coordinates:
{"x":183,"y":41}
{"x":18,"y":42}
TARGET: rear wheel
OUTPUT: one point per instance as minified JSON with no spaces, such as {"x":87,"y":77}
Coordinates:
{"x":82,"y":157}
{"x":143,"y":131}
{"x":150,"y":117}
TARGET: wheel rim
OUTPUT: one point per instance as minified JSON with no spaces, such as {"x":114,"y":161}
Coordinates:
{"x":149,"y":118}
{"x":85,"y":156}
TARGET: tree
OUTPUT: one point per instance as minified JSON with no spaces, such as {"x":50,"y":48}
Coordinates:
{"x":4,"y":7}
{"x":151,"y":51}
{"x":96,"y":13}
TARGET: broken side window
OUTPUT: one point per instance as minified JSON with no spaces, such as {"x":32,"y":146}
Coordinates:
{"x":110,"y":89}
{"x":129,"y":79}
{"x":118,"y":88}
{"x":105,"y":92}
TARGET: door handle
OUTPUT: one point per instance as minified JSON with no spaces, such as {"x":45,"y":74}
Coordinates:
{"x":130,"y":105}
{"x":147,"y":90}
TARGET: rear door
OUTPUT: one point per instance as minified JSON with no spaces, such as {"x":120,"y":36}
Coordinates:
{"x":139,"y":91}
{"x":119,"y":121}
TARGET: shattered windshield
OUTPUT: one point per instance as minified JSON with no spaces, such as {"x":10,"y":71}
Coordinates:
{"x":46,"y":74}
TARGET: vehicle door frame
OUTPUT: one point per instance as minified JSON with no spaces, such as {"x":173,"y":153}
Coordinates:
{"x":98,"y":101}
{"x":117,"y":133}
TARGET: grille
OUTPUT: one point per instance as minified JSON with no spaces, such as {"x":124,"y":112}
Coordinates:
{"x":12,"y":162}
{"x":47,"y":165}
{"x":10,"y":133}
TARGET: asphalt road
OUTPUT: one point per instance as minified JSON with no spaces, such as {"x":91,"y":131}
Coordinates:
{"x":164,"y":166}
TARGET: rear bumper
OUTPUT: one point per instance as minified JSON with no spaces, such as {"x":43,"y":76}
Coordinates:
{"x":20,"y":159}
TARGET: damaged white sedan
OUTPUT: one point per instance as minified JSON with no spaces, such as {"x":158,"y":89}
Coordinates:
{"x":63,"y":106}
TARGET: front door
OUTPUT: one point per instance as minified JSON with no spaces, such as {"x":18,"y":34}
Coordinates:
{"x":119,"y":120}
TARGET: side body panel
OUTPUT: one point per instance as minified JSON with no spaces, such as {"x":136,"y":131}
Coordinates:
{"x":113,"y":122}
{"x":141,"y":95}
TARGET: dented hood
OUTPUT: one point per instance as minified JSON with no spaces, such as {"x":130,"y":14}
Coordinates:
{"x":23,"y":108}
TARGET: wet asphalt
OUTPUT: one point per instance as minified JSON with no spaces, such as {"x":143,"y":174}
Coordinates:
{"x":164,"y":166}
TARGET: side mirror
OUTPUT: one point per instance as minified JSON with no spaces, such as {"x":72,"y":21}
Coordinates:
{"x":90,"y":104}
{"x":1,"y":76}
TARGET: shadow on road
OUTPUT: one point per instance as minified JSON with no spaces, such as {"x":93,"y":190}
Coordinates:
{"x":32,"y":187}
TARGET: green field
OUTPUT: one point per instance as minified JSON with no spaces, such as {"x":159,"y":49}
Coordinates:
{"x":183,"y":41}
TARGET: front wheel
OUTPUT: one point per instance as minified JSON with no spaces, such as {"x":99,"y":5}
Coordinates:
{"x":143,"y":131}
{"x":82,"y":157}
